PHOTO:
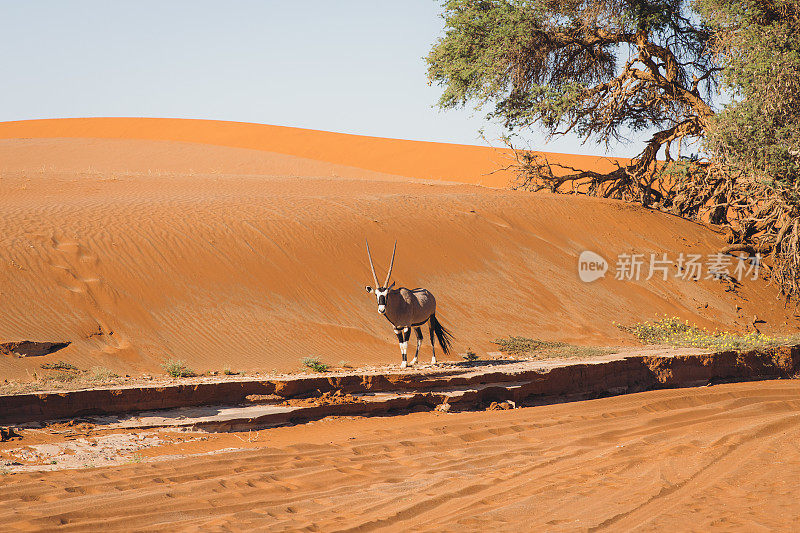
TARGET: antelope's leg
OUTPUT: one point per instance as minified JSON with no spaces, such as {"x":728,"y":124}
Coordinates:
{"x":418,"y":332}
{"x":400,"y":335}
{"x":404,"y":345}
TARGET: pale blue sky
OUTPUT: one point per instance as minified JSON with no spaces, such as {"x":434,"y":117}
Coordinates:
{"x":352,"y":66}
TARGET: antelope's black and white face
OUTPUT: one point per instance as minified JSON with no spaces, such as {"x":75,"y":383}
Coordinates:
{"x":380,"y":295}
{"x":381,"y":292}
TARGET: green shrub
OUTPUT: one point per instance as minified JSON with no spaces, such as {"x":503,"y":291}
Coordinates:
{"x":315,"y":364}
{"x":177,"y":369}
{"x":470,"y":355}
{"x":676,"y":332}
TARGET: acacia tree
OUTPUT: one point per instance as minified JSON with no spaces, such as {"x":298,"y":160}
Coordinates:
{"x":754,"y":143}
{"x":602,"y":69}
{"x":609,"y":68}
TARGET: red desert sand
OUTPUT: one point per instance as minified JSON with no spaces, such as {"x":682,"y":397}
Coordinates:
{"x":722,"y":458}
{"x":242,"y":246}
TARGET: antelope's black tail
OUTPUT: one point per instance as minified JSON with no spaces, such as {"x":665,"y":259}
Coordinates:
{"x":442,"y":334}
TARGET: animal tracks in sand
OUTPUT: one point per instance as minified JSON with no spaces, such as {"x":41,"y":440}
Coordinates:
{"x":76,"y":271}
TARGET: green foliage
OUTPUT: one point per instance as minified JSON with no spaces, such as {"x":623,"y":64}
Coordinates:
{"x":604,"y":68}
{"x":177,"y":369}
{"x":552,"y":64}
{"x":228,"y":372}
{"x":755,"y":141}
{"x":758,"y":46}
{"x":315,"y":364}
{"x":661,"y":331}
{"x":479,"y":59}
{"x":470,"y":355}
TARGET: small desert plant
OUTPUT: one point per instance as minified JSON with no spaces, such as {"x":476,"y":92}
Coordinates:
{"x":58,"y":365}
{"x":315,"y":364}
{"x":99,"y":373}
{"x":18,"y":387}
{"x":523,"y":346}
{"x":177,"y":369}
{"x":662,"y":330}
{"x":470,"y":355}
{"x":62,"y":377}
{"x":229,"y":372}
{"x":575,"y":352}
{"x":676,"y":332}
{"x":345,"y":364}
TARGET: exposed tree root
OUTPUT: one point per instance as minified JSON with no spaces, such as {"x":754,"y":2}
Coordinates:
{"x":759,"y":217}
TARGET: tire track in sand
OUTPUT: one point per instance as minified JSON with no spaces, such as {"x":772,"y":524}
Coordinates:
{"x":619,"y":463}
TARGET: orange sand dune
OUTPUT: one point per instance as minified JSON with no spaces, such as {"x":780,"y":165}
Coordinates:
{"x":439,"y":161}
{"x":706,"y":459}
{"x":136,"y":251}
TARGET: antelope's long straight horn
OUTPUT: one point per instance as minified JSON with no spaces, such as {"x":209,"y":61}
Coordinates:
{"x":371,"y":266}
{"x":391,"y":264}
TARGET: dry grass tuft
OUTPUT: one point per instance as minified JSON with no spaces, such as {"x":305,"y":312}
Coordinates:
{"x":58,"y":365}
{"x":539,"y":349}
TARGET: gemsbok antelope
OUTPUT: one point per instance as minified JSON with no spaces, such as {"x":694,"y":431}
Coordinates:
{"x":406,"y":309}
